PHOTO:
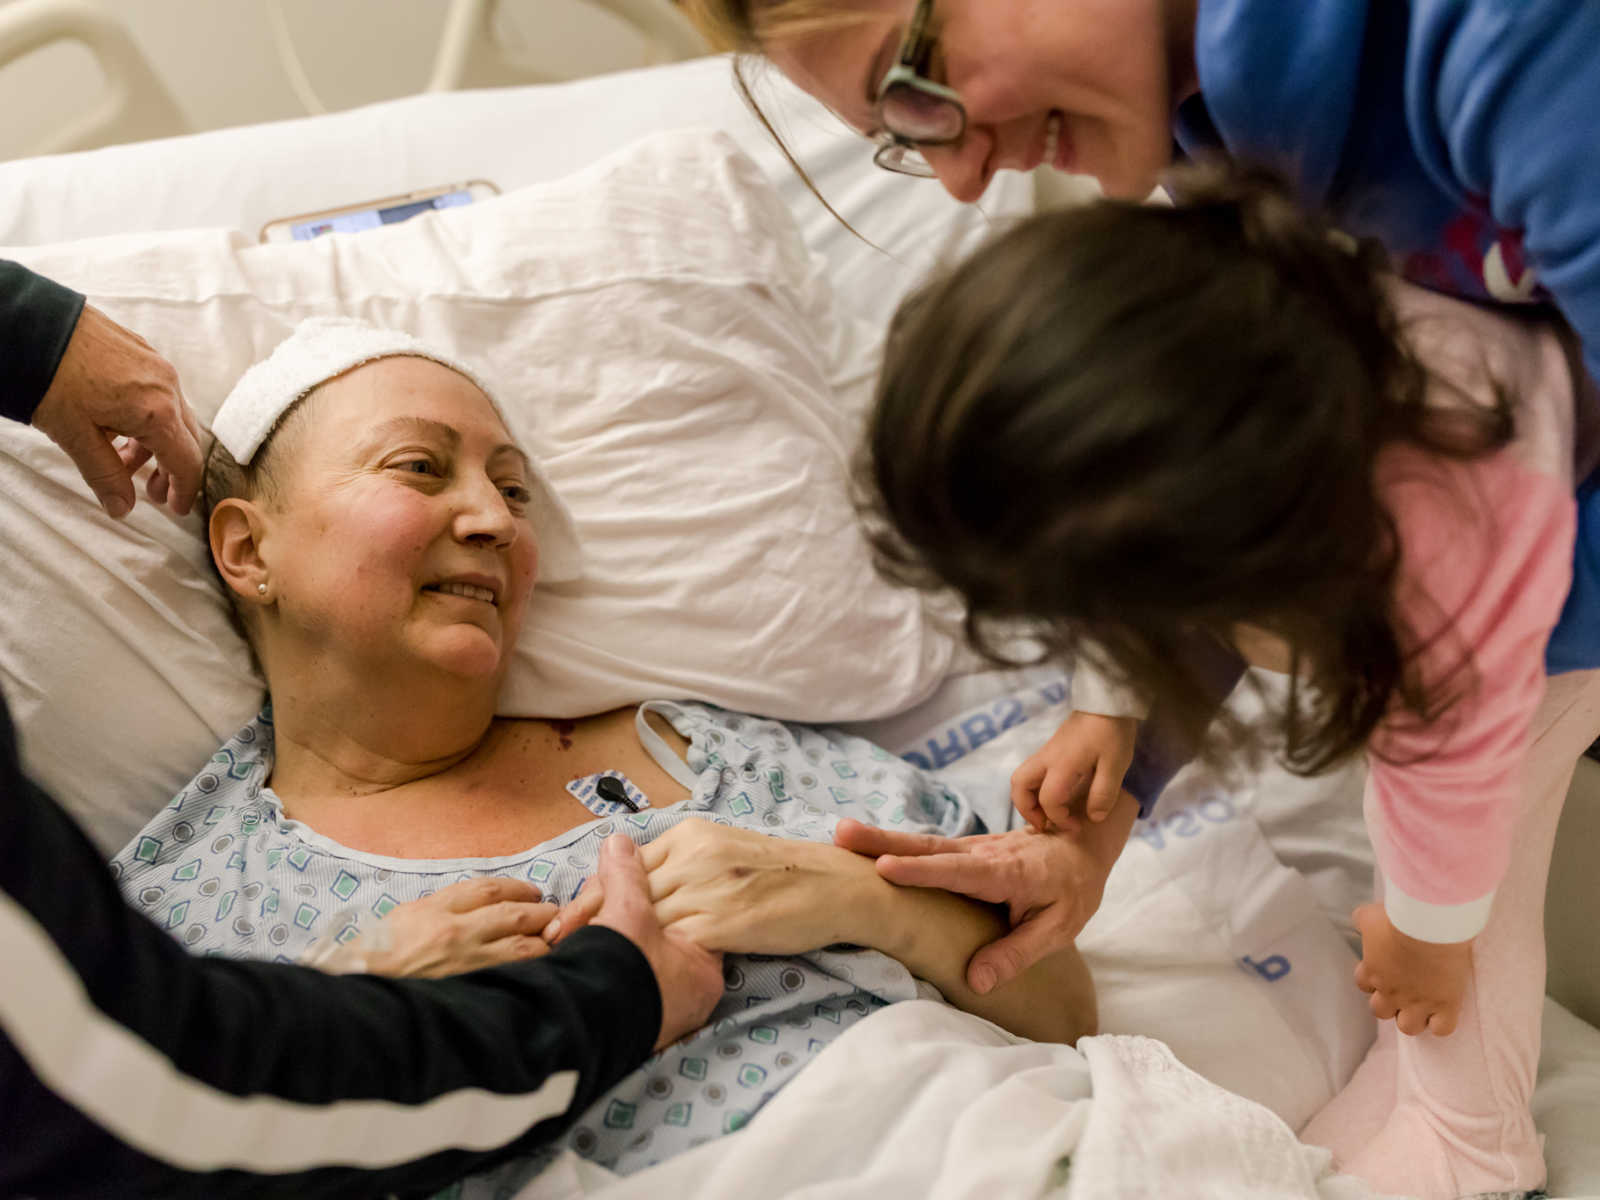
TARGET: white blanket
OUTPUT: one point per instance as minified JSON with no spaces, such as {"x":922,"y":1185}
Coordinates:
{"x":1205,"y":940}
{"x":921,"y":1100}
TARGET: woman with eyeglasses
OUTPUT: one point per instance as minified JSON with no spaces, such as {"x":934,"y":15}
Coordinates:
{"x":1461,"y":134}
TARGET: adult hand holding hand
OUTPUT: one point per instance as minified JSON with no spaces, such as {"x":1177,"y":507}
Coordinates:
{"x":751,"y":893}
{"x":110,"y":382}
{"x":689,"y":976}
{"x":739,"y":891}
{"x":1051,"y":883}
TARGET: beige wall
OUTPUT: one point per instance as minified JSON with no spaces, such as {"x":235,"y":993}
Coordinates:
{"x":219,"y":60}
{"x":1574,"y":903}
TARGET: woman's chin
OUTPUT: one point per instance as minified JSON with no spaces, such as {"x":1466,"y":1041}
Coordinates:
{"x":468,"y":652}
{"x":1126,"y":167}
{"x":1130,"y":182}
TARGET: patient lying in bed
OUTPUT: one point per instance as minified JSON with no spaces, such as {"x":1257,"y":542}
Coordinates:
{"x":381,"y":537}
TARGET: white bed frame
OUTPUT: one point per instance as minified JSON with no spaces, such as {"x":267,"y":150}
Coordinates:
{"x":471,"y":56}
{"x":136,"y":105}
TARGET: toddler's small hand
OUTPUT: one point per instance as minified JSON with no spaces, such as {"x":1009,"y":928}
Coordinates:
{"x":1087,"y":756}
{"x":1419,"y":985}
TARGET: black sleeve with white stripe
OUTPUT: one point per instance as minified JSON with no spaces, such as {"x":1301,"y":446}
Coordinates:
{"x":129,"y":1068}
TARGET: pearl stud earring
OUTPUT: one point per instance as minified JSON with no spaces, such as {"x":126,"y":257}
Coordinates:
{"x":262,"y":588}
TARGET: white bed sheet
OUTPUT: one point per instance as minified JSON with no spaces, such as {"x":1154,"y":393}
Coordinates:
{"x":945,"y":1106}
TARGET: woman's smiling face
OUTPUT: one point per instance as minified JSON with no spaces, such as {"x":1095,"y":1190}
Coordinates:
{"x":402,"y":531}
{"x":1087,"y":85}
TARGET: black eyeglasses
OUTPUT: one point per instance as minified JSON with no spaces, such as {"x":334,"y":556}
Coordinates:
{"x":914,"y":110}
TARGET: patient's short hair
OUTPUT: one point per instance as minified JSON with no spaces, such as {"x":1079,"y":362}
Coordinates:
{"x":262,"y":478}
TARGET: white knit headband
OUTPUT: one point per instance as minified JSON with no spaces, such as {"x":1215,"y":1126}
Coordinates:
{"x":324,"y":347}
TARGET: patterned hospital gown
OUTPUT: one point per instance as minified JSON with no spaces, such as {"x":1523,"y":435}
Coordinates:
{"x":226,"y":873}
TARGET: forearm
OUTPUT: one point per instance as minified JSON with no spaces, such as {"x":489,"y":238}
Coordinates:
{"x":935,"y":933}
{"x":1105,"y":840}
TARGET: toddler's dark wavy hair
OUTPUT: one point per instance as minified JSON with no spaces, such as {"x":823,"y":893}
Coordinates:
{"x":1128,"y":425}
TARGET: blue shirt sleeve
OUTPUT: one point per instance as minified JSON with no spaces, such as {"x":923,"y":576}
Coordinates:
{"x":1503,"y":98}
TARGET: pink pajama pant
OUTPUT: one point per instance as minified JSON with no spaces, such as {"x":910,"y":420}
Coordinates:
{"x":1440,"y":1118}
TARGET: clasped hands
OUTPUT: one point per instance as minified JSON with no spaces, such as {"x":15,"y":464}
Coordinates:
{"x":719,"y":888}
{"x":740,"y":891}
{"x":737,"y":890}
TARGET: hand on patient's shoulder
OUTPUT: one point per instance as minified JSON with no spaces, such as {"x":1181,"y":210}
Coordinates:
{"x":1051,"y":883}
{"x":110,"y":382}
{"x":469,"y":925}
{"x":1077,"y":772}
{"x":1419,"y":985}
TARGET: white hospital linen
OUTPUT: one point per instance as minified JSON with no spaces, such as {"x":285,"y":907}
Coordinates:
{"x":944,"y":1105}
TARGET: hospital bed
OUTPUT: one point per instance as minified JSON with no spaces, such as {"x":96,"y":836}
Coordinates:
{"x":1225,"y":930}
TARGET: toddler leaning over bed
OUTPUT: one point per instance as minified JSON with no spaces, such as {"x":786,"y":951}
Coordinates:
{"x":1195,"y":437}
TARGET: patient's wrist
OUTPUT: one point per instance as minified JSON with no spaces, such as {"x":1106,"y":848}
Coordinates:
{"x":929,"y":930}
{"x":933,"y":932}
{"x":1104,"y":840}
{"x":870,"y":909}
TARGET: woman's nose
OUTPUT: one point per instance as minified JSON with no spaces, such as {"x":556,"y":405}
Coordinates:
{"x":961,"y":165}
{"x":483,"y":515}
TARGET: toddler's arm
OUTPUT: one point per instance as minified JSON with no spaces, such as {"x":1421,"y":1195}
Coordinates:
{"x":1478,"y":594}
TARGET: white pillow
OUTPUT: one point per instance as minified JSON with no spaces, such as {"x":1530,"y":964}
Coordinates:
{"x":663,"y":342}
